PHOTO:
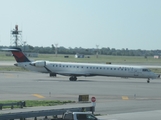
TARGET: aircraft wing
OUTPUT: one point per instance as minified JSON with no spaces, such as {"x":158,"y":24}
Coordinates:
{"x":74,"y":74}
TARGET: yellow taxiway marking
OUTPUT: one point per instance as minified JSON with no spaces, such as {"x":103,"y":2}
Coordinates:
{"x":9,"y":75}
{"x":125,"y":97}
{"x":37,"y":95}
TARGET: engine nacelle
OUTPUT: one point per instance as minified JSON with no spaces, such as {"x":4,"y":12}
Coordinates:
{"x":38,"y":63}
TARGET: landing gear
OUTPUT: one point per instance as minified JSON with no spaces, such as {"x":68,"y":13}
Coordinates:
{"x":148,"y":81}
{"x":52,"y":75}
{"x":73,"y":78}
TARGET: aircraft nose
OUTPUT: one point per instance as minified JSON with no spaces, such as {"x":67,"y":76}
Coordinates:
{"x":157,"y":75}
{"x":154,"y":75}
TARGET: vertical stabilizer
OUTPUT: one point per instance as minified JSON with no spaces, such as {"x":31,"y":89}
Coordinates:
{"x":18,"y":54}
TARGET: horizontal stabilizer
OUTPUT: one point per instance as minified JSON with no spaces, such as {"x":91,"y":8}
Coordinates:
{"x":11,"y":49}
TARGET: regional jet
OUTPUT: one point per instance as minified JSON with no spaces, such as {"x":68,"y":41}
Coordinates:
{"x":75,"y":70}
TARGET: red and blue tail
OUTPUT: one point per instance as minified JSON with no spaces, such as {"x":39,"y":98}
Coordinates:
{"x":18,"y":54}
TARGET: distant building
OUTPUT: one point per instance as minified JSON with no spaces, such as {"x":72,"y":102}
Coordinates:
{"x":79,"y":55}
{"x":156,"y":56}
{"x":31,"y":54}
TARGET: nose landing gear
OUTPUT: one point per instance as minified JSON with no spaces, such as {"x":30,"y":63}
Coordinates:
{"x":148,"y":81}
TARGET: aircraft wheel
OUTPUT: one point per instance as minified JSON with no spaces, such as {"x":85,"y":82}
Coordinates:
{"x":148,"y":81}
{"x":70,"y":78}
{"x":73,"y":78}
{"x":52,"y":75}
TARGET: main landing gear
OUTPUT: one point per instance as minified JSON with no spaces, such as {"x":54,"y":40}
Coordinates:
{"x":73,"y":78}
{"x":52,"y":75}
{"x":148,"y":81}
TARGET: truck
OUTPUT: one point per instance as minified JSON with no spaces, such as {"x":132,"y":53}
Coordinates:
{"x":78,"y":116}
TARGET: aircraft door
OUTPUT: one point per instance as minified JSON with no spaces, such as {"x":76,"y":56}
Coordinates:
{"x":137,"y":73}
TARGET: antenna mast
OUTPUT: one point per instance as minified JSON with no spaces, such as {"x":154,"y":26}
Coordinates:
{"x":16,"y":37}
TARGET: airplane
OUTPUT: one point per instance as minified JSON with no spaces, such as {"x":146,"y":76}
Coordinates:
{"x":75,"y":70}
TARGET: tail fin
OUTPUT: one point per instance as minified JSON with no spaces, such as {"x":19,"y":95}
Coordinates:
{"x":18,"y":54}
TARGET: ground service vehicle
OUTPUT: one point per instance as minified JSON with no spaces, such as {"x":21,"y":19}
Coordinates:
{"x":78,"y":116}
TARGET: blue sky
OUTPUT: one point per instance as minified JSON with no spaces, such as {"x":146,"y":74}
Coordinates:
{"x":132,"y":24}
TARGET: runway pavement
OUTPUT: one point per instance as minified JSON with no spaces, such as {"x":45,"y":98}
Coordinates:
{"x":147,"y":115}
{"x":114,"y":96}
{"x":7,"y":63}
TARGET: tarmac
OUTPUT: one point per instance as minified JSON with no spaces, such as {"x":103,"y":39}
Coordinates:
{"x":147,"y":115}
{"x":116,"y":98}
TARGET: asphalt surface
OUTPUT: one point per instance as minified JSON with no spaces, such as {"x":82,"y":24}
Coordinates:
{"x":116,"y":98}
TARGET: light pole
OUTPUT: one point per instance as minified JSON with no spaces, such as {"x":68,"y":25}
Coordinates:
{"x":56,"y":52}
{"x":97,"y":51}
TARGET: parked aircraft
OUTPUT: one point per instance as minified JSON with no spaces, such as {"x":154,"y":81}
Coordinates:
{"x":81,"y":69}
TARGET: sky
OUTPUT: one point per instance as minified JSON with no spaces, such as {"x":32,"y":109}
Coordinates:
{"x":132,"y":24}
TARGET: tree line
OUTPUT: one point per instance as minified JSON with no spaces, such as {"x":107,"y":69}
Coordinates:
{"x":88,"y":51}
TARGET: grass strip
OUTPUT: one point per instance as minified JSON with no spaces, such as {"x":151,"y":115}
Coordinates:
{"x":35,"y":103}
{"x":11,"y":68}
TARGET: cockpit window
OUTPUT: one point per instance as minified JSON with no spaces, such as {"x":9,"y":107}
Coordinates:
{"x":145,"y":70}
